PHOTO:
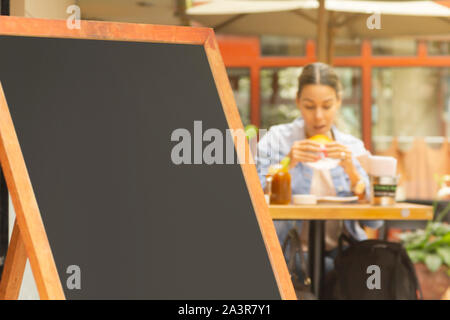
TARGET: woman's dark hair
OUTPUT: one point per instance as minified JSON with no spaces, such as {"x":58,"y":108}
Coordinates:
{"x":319,"y":73}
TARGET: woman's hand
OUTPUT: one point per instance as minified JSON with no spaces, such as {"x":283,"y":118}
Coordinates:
{"x":336,"y":150}
{"x":304,"y":151}
{"x":339,"y":151}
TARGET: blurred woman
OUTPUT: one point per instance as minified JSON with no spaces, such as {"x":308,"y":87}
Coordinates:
{"x":319,"y":98}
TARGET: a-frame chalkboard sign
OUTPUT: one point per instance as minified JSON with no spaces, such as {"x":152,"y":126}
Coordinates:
{"x":90,"y":119}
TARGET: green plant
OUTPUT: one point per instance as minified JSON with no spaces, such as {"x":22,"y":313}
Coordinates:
{"x":432,"y":245}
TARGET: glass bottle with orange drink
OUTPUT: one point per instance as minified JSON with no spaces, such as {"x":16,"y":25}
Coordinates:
{"x":278,"y":180}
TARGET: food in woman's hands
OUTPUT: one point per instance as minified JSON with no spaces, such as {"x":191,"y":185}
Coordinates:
{"x":323,"y":140}
{"x":323,"y":162}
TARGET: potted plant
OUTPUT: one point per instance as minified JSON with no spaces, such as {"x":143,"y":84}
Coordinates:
{"x":429,"y":250}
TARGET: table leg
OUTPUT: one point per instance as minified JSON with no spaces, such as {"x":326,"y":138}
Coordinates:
{"x":316,"y":246}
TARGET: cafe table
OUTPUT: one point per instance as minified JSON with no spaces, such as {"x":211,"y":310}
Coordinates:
{"x":319,"y":213}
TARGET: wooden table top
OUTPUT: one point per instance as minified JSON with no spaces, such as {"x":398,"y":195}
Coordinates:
{"x":353,"y":211}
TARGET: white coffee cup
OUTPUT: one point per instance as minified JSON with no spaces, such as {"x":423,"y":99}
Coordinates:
{"x":304,"y":199}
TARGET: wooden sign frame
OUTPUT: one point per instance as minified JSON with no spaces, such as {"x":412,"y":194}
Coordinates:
{"x":29,"y":238}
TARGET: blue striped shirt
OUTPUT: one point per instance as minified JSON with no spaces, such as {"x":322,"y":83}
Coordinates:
{"x":277,"y":143}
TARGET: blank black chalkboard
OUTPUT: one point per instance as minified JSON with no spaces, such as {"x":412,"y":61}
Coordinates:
{"x":94,"y":120}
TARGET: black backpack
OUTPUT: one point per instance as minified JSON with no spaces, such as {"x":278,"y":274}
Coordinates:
{"x":371,"y":270}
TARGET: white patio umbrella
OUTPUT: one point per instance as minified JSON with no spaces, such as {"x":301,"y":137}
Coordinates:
{"x":324,"y":19}
{"x":136,"y":11}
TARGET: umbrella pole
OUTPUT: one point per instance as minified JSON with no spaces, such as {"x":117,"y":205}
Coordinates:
{"x":321,"y":33}
{"x":330,"y":40}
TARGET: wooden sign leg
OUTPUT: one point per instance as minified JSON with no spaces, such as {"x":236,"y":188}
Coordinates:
{"x":263,"y":217}
{"x":15,"y":263}
{"x":28,"y":218}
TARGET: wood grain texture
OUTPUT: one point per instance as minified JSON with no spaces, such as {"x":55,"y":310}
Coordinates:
{"x":28,"y":216}
{"x":249,"y":170}
{"x":399,"y":211}
{"x":99,"y":30}
{"x":16,"y":260}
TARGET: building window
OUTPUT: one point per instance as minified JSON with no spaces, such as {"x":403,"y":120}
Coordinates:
{"x":394,"y":47}
{"x":282,"y":46}
{"x":240,"y":83}
{"x":278,"y":92}
{"x":439,"y":48}
{"x":347,"y":47}
{"x":349,"y":118}
{"x":410,"y":120}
